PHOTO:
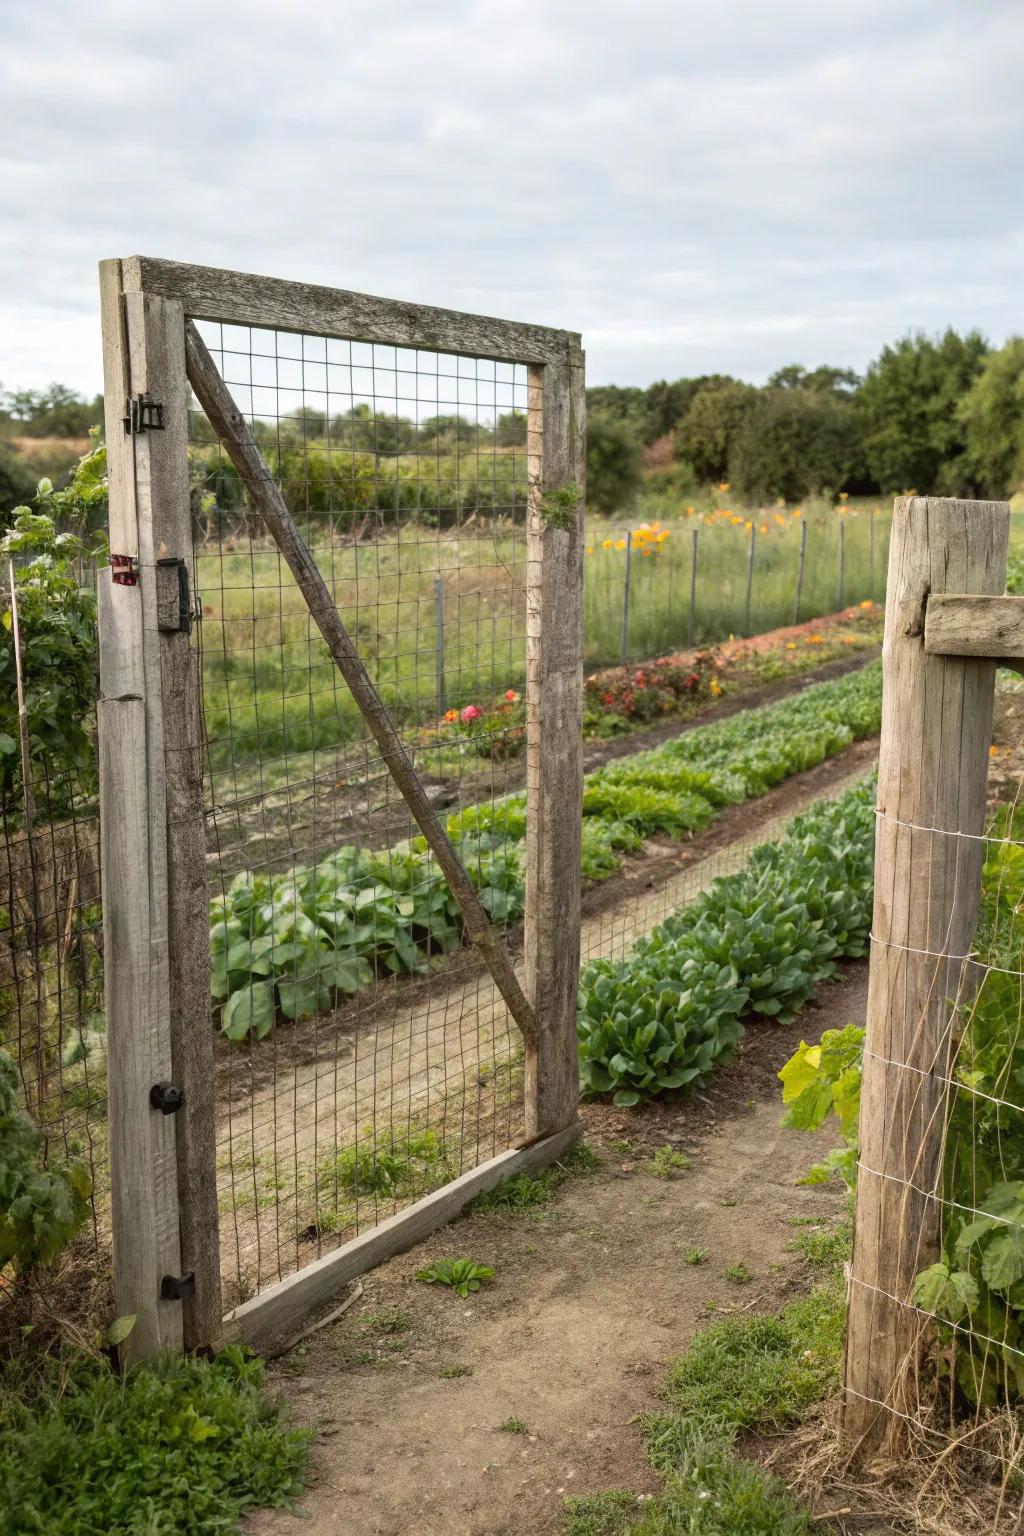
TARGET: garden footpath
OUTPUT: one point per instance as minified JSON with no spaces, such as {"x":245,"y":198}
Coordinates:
{"x":446,"y":1417}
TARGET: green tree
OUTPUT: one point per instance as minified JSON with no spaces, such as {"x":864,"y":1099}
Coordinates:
{"x":510,"y":429}
{"x":909,"y":407}
{"x":614,"y":463}
{"x":54,"y":412}
{"x":708,"y":432}
{"x":17,"y":482}
{"x":795,"y":440}
{"x":992,"y":414}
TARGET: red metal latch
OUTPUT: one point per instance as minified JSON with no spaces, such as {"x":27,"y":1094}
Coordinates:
{"x":124,"y":570}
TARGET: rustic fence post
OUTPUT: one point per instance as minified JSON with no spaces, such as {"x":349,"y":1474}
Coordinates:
{"x":155,"y":903}
{"x":936,"y":729}
{"x":556,"y":434}
{"x":693,"y":588}
{"x":800,"y":572}
{"x":750,"y":578}
{"x":624,"y":642}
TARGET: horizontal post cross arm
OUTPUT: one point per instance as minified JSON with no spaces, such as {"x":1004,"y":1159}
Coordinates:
{"x":986,"y":628}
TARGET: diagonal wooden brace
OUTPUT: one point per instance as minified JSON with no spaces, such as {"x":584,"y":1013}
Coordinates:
{"x":230,"y":426}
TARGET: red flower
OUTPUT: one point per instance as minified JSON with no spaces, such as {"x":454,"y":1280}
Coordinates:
{"x":512,"y":696}
{"x":470,"y":713}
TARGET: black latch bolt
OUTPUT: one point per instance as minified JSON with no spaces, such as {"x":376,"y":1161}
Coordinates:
{"x":178,"y":1287}
{"x":166,"y":1097}
{"x":142,"y":414}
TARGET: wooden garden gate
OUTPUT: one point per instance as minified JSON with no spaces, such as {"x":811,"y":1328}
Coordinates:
{"x":156,"y":846}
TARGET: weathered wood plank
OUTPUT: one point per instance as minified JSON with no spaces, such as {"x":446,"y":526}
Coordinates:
{"x":266,"y":497}
{"x":142,"y":1150}
{"x":145,"y":1244}
{"x":556,"y":446}
{"x":240,"y":298}
{"x":277,"y":1313}
{"x":958,"y":624}
{"x":157,"y":330}
{"x":936,"y":729}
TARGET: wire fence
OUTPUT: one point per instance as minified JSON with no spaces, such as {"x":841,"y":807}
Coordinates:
{"x":51,"y":940}
{"x":652,"y":587}
{"x":363,"y":1060}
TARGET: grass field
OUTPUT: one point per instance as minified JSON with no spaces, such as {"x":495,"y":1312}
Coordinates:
{"x":271,"y":691}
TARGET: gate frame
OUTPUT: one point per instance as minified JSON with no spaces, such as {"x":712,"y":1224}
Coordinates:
{"x":155,"y":901}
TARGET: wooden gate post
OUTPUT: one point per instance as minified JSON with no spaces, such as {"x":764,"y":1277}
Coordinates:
{"x":933,"y":763}
{"x":155,"y":904}
{"x":556,"y":446}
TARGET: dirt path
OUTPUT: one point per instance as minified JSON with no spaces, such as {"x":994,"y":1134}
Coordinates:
{"x":446,"y":1058}
{"x":591,"y":1299}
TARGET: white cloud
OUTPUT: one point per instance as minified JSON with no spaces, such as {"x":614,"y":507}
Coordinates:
{"x":696,"y":187}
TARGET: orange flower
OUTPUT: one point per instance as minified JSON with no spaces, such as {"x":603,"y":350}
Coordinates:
{"x":450,"y":715}
{"x":867,"y":603}
{"x":620,"y":543}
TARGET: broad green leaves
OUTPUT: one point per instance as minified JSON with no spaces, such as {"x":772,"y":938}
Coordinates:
{"x":754,"y":943}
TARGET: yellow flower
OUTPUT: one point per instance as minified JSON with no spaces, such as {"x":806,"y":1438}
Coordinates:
{"x":606,"y":543}
{"x":689,"y":511}
{"x":867,"y":603}
{"x":724,"y":485}
{"x":790,"y":645}
{"x":590,"y":551}
{"x":797,"y":512}
{"x":993,"y":751}
{"x":814,"y":639}
{"x":748,"y":526}
{"x":764,"y":528}
{"x":620,"y":543}
{"x":780,"y":520}
{"x":714,"y":688}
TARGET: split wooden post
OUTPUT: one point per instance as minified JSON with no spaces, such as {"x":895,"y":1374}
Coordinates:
{"x":155,"y":903}
{"x":936,"y":729}
{"x":556,"y":438}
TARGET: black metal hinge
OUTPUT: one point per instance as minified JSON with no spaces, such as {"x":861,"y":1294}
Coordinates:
{"x":142,"y":414}
{"x":178,"y":1287}
{"x":174,"y":611}
{"x":168,"y":1098}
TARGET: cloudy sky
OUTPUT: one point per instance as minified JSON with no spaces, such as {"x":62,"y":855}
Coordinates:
{"x":696,"y":185}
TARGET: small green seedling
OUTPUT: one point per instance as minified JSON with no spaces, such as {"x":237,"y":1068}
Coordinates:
{"x":513,"y":1427}
{"x":728,"y":1201}
{"x":696,"y":1256}
{"x":388,"y":1320}
{"x":452,"y":1372}
{"x":666,"y":1162}
{"x":462,"y":1275}
{"x":739,"y":1274}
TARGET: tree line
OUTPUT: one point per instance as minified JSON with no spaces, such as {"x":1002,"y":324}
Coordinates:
{"x":942,"y":415}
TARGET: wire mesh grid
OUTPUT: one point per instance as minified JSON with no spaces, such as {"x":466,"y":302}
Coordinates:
{"x":364,"y":1059}
{"x":51,"y":941}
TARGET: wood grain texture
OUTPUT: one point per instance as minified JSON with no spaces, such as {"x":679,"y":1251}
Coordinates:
{"x":266,"y":497}
{"x":277,"y":1313}
{"x":157,"y":331}
{"x":556,"y":447}
{"x":957,"y":624}
{"x":209,"y":293}
{"x":936,"y":729}
{"x":142,"y":1151}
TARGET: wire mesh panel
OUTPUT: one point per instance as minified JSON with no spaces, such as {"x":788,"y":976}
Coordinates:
{"x":364,"y":1060}
{"x":51,"y":953}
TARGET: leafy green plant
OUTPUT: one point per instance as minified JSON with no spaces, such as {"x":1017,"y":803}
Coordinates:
{"x":667,"y":1162}
{"x":454,"y":1372}
{"x":695,"y":1256}
{"x":183,"y":1444}
{"x":758,"y":942}
{"x":462,"y":1275}
{"x":57,"y":627}
{"x":513,"y":1427}
{"x":405,"y":1166}
{"x":737,"y":1274}
{"x":41,"y":1207}
{"x":822,"y":1080}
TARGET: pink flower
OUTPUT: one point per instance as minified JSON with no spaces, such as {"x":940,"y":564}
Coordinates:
{"x":470,"y":713}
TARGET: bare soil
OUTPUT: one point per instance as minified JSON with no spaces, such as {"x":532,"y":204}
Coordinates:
{"x":591,"y":1298}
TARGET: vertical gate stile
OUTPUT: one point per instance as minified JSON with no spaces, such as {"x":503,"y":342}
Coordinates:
{"x":556,"y":445}
{"x":133,"y":839}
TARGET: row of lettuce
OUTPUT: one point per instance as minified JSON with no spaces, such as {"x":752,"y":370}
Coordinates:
{"x":292,"y":945}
